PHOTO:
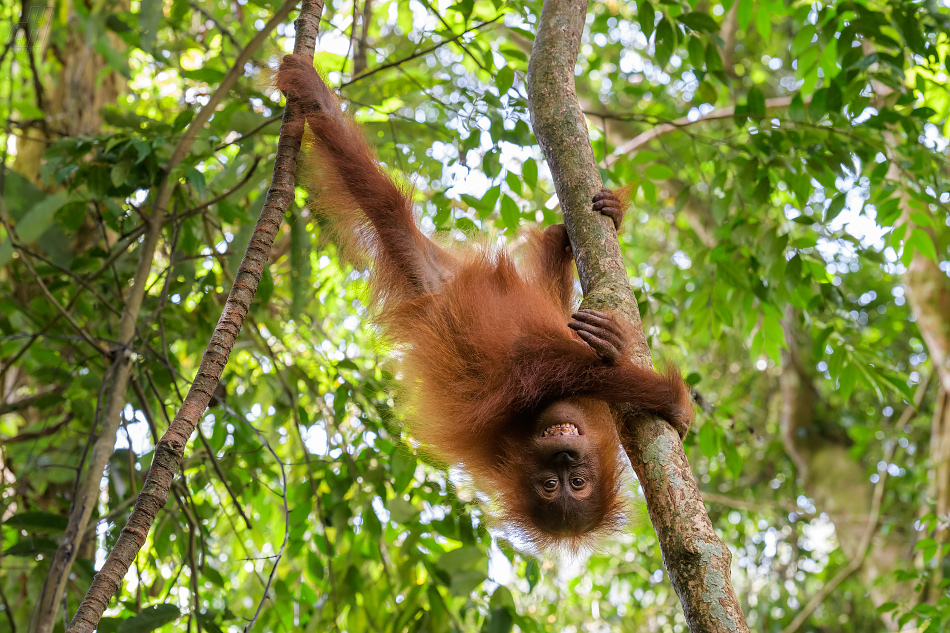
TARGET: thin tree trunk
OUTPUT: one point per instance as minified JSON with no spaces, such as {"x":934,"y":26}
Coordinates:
{"x":697,"y":561}
{"x":87,"y":493}
{"x":362,"y":42}
{"x":171,"y":447}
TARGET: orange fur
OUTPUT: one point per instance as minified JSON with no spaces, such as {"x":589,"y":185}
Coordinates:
{"x":485,"y":344}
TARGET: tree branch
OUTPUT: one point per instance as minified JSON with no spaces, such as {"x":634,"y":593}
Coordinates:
{"x":697,"y":561}
{"x":419,"y":53}
{"x":171,"y":447}
{"x":856,"y":562}
{"x":726,"y":112}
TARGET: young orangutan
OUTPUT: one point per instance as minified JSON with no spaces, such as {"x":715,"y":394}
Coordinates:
{"x":501,"y":378}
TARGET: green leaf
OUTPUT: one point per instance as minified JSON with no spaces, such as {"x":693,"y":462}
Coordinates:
{"x":529,"y":172}
{"x":514,"y":182}
{"x":920,"y":241}
{"x":265,"y":288}
{"x":928,"y":546}
{"x":763,"y":22}
{"x":709,"y":439}
{"x":836,"y":206}
{"x":37,"y":521}
{"x":665,"y":42}
{"x":509,"y":212}
{"x":38,"y":219}
{"x":462,"y":558}
{"x":808,"y":69}
{"x":211,"y":76}
{"x":20,"y":195}
{"x":923,"y":113}
{"x":706,"y":92}
{"x":490,"y":163}
{"x":141,"y":146}
{"x":238,"y":245}
{"x":31,"y":547}
{"x":696,"y":53}
{"x":699,"y":21}
{"x":465,"y":582}
{"x":833,"y":98}
{"x":151,"y":618}
{"x":182,"y":119}
{"x":922,"y":219}
{"x":646,"y":17}
{"x":713,"y":60}
{"x":649,"y":191}
{"x":643,"y":156}
{"x":149,"y":19}
{"x":472,"y":201}
{"x":899,"y":385}
{"x":119,"y":174}
{"x":803,"y":39}
{"x":489,"y":200}
{"x":888,"y":209}
{"x":113,"y":56}
{"x":733,"y":461}
{"x":196,"y":179}
{"x":504,"y":80}
{"x":499,"y":620}
{"x":6,"y":252}
{"x":793,"y":272}
{"x":828,"y":59}
{"x":847,"y":380}
{"x":658,"y":171}
{"x":796,"y":109}
{"x":401,"y":511}
{"x":744,"y":13}
{"x":532,"y":574}
{"x":108,"y":625}
{"x":887,"y":606}
{"x":763,"y":189}
{"x":755,"y":101}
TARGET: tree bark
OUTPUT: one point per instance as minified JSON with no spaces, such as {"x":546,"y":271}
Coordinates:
{"x":928,"y":289}
{"x":83,"y":85}
{"x":836,"y":480}
{"x":87,"y":493}
{"x":171,"y":447}
{"x":928,"y":293}
{"x":696,"y":559}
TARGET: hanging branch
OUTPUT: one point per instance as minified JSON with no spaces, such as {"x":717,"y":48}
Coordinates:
{"x":697,"y":561}
{"x":171,"y":447}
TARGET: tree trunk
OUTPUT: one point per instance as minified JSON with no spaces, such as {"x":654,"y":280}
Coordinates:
{"x":697,"y":561}
{"x":73,"y":107}
{"x":835,"y":479}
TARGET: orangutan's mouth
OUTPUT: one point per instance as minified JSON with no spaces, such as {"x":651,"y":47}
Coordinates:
{"x":560,"y":429}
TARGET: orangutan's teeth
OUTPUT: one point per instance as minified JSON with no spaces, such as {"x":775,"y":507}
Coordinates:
{"x":560,"y":429}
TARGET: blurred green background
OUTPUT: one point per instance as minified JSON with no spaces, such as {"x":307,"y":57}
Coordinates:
{"x":788,"y":243}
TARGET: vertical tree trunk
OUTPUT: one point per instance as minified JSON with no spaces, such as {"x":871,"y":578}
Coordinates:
{"x":83,"y":85}
{"x":697,"y":561}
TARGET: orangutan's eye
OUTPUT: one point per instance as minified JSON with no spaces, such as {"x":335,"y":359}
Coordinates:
{"x":577,"y":483}
{"x":550,"y":485}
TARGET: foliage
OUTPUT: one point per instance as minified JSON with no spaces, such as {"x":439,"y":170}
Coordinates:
{"x":798,"y":211}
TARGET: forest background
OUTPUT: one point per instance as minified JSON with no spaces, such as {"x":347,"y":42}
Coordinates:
{"x":788,"y":244}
